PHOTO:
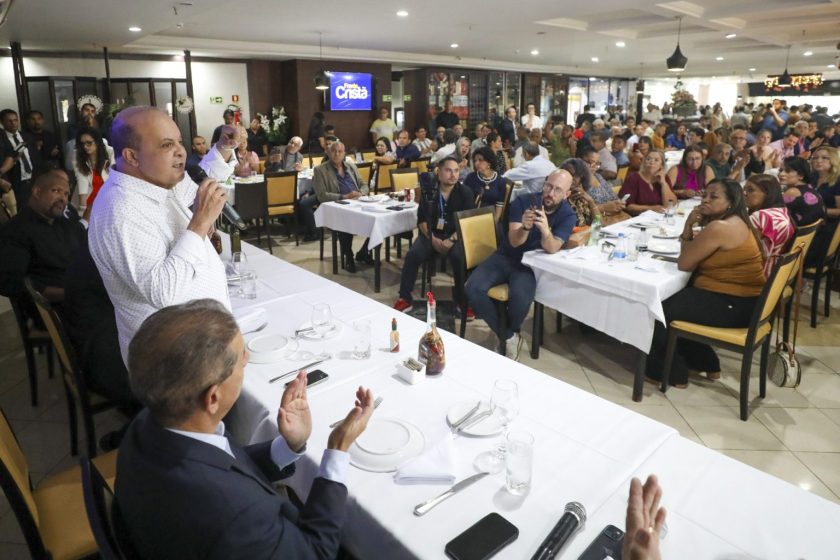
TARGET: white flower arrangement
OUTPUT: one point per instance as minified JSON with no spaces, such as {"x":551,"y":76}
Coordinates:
{"x":275,"y":124}
{"x":90,"y":100}
{"x":184,"y":104}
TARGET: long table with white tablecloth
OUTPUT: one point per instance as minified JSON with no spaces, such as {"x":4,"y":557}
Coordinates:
{"x":586,"y":447}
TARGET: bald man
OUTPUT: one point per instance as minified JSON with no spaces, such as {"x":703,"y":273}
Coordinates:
{"x":150,"y":248}
{"x":537,"y":221}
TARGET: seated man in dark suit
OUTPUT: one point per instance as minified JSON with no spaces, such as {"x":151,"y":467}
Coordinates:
{"x":183,"y":489}
{"x":41,"y":240}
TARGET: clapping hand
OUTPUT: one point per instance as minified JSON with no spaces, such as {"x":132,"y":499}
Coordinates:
{"x":294,"y":420}
{"x":644,"y":521}
{"x":354,"y":423}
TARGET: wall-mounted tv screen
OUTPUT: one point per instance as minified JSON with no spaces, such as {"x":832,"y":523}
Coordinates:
{"x":351,"y":92}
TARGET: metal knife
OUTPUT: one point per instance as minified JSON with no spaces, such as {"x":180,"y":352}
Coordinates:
{"x":288,"y":373}
{"x":466,"y":416}
{"x":423,"y":508}
{"x":473,"y":421}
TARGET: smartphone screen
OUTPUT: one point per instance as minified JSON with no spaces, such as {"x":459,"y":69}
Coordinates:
{"x":314,"y":377}
{"x":484,"y":539}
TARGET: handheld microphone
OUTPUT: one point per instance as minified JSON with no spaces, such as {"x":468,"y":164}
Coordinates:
{"x":198,"y":175}
{"x":572,"y":520}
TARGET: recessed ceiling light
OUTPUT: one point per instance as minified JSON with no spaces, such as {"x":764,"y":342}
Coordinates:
{"x":829,"y":66}
{"x":807,"y":53}
{"x":591,"y":79}
{"x":402,"y":13}
{"x":594,"y":59}
{"x":718,"y":58}
{"x":454,"y":45}
{"x":620,"y":44}
{"x":752,"y":69}
{"x":731,"y":35}
{"x":134,"y":29}
{"x":535,"y":52}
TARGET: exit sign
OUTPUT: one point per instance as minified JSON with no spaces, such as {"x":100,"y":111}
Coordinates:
{"x":217,"y":100}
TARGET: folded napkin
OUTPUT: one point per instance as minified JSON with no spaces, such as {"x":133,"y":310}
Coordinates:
{"x":588,"y":253}
{"x":436,"y":465}
{"x":649,"y":265}
{"x":250,"y":319}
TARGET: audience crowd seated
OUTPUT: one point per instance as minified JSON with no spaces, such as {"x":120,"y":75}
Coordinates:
{"x":648,"y":189}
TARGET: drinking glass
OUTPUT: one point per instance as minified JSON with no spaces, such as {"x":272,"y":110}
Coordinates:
{"x":670,"y":210}
{"x":322,"y":324}
{"x":239,"y":266}
{"x":248,"y":285}
{"x":361,"y":339}
{"x":504,"y":405}
{"x":519,"y":462}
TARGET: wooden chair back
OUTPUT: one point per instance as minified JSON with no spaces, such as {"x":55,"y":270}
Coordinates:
{"x":281,"y":188}
{"x":407,"y":178}
{"x":476,"y":235}
{"x":365,"y":171}
{"x":383,"y":178}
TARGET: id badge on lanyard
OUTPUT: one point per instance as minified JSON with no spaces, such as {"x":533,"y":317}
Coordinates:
{"x":441,"y":221}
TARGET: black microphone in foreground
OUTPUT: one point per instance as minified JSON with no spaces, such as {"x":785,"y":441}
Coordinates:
{"x":198,"y":175}
{"x":572,"y":520}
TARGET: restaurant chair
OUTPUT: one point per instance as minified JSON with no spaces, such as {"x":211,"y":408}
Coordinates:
{"x":75,"y":386}
{"x":51,"y":516}
{"x":616,"y":189}
{"x":368,"y":155}
{"x":621,"y":173}
{"x":103,"y":515}
{"x":251,"y":202}
{"x":383,"y":178}
{"x":405,"y":178}
{"x":304,"y":164}
{"x":365,"y":169}
{"x":282,"y":198}
{"x":33,"y":338}
{"x":421,"y":164}
{"x":824,"y":270}
{"x":477,"y":239}
{"x":803,"y":238}
{"x":742,"y":340}
{"x":262,"y":165}
{"x":315,"y":161}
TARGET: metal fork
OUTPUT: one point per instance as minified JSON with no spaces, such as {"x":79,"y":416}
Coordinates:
{"x":376,"y":404}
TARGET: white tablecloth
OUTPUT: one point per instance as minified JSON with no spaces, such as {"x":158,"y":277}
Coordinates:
{"x":368,"y":219}
{"x":617,"y":298}
{"x":304,"y":183}
{"x":586,"y":448}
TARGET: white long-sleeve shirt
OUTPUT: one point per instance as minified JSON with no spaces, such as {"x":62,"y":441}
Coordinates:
{"x":531,"y":173}
{"x":213,"y":163}
{"x":147,"y":257}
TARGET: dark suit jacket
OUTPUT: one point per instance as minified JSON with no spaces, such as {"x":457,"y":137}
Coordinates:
{"x":13,"y":175}
{"x":181,"y":498}
{"x":325,"y":182}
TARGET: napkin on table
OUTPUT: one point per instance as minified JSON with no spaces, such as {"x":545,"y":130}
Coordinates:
{"x":436,"y":465}
{"x":250,"y":319}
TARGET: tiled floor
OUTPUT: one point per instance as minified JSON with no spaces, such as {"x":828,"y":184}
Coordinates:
{"x":793,"y":434}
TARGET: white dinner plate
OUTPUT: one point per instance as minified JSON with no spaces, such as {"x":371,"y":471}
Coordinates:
{"x":664,"y":247}
{"x":312,"y":335}
{"x":668,"y":234}
{"x":489,"y":426}
{"x":386,"y":444}
{"x":372,"y":198}
{"x":270,"y":348}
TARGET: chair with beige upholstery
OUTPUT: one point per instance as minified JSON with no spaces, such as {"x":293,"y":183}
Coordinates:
{"x":824,"y":271}
{"x":803,"y":238}
{"x":383,"y":178}
{"x":368,"y":155}
{"x":52,"y":515}
{"x":103,"y":515}
{"x":282,"y":198}
{"x":421,"y":164}
{"x":75,"y":386}
{"x":364,"y":169}
{"x":305,"y":163}
{"x":743,"y":340}
{"x":315,"y":161}
{"x":477,"y":239}
{"x":406,"y":178}
{"x":34,"y":338}
{"x":621,"y":174}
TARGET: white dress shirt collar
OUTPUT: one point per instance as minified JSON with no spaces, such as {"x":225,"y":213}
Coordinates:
{"x":216,"y":439}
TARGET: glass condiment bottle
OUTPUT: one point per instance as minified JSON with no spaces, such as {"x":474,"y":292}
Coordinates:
{"x":595,"y":230}
{"x":430,"y":350}
{"x":395,"y":337}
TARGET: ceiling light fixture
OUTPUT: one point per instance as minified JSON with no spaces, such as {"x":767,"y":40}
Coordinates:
{"x":591,"y":78}
{"x":535,"y":52}
{"x":620,"y":44}
{"x":807,"y":53}
{"x":752,"y":69}
{"x":454,"y":45}
{"x":402,"y":13}
{"x":322,"y":79}
{"x":731,"y":35}
{"x":718,"y":58}
{"x":784,"y":80}
{"x":677,"y":61}
{"x":594,"y":59}
{"x":134,"y":29}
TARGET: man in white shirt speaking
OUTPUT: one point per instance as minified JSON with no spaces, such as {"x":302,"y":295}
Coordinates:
{"x":150,"y":248}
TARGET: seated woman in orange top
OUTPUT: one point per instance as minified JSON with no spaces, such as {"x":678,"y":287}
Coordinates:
{"x":727,"y":262}
{"x":648,"y":189}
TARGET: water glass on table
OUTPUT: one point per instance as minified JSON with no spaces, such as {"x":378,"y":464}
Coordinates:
{"x":361,"y":339}
{"x":519,"y":462}
{"x":239,"y":266}
{"x":504,"y":405}
{"x":248,"y":285}
{"x":322,"y":325}
{"x":670,"y":211}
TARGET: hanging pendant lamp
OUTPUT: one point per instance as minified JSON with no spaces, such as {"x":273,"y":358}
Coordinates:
{"x":322,"y":79}
{"x":677,"y":61}
{"x":784,"y":80}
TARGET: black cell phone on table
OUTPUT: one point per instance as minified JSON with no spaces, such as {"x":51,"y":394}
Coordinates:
{"x":341,"y":202}
{"x":484,"y":539}
{"x":313,"y":378}
{"x":607,"y":544}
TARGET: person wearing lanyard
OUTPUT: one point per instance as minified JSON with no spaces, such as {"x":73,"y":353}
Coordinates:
{"x":436,"y":222}
{"x":18,"y":162}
